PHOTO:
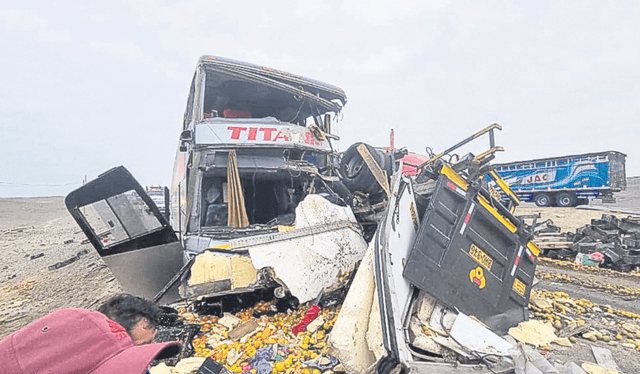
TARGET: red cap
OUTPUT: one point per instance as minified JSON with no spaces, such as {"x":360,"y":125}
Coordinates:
{"x":77,"y":341}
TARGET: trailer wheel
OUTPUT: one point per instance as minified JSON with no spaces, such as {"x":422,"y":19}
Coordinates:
{"x":566,"y":199}
{"x":542,"y":199}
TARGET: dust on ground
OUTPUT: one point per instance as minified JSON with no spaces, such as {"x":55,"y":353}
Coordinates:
{"x":45,"y":265}
{"x":605,"y":288}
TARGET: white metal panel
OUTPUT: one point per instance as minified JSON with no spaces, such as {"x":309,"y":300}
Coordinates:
{"x":308,"y":263}
{"x":258,"y":131}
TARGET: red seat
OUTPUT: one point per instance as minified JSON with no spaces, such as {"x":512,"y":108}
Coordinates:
{"x":233,"y":113}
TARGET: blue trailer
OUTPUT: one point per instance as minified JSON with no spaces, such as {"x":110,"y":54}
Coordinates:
{"x":568,"y":180}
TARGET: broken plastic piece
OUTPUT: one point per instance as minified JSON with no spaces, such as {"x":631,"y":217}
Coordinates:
{"x":211,"y":367}
{"x":309,"y":316}
{"x":244,"y":329}
{"x":475,"y":337}
{"x":586,"y":260}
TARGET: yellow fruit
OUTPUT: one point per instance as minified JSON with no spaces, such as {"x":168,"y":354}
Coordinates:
{"x":289,"y":361}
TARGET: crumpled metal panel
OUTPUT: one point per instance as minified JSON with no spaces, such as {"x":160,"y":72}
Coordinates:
{"x":348,"y":337}
{"x":308,"y":263}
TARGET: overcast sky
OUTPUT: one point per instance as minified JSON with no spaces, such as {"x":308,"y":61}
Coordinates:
{"x":87,"y":86}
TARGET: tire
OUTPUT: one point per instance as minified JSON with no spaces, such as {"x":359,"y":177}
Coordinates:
{"x":582,"y":201}
{"x":356,"y":175}
{"x":566,"y":199}
{"x":542,"y":200}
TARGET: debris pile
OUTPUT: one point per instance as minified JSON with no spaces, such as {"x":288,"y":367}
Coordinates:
{"x":568,"y":319}
{"x":608,"y":242}
{"x":258,"y":340}
{"x":256,"y":332}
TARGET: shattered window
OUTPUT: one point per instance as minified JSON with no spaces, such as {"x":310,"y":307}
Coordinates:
{"x":120,"y":218}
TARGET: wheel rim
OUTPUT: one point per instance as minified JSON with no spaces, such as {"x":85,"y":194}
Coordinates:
{"x":565,"y":200}
{"x":543,"y":200}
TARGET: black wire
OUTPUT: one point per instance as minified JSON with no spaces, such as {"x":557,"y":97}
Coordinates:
{"x":474,"y":353}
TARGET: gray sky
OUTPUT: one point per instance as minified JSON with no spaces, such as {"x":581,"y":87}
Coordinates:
{"x":87,"y":86}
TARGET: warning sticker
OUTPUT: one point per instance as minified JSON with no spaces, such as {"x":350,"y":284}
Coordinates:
{"x":519,"y":287}
{"x":477,"y":276}
{"x":479,"y":255}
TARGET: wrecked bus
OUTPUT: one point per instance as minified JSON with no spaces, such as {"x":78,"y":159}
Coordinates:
{"x":253,"y":160}
{"x":253,"y":199}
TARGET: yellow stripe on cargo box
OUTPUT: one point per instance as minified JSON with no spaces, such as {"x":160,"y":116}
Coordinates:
{"x":495,"y":213}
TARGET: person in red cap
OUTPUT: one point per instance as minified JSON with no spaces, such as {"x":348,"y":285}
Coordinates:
{"x":140,"y":317}
{"x":78,"y":341}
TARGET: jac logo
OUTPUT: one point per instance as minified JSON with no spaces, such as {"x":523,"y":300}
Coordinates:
{"x":538,"y":178}
{"x":268,"y":134}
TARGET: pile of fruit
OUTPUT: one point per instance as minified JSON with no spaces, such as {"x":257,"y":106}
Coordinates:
{"x":583,"y":318}
{"x":265,"y":344}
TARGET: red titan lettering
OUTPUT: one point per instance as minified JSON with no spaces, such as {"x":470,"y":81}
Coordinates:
{"x":267,"y":132}
{"x":280,"y":135}
{"x":236,"y":131}
{"x":310,"y":139}
{"x":252,"y":133}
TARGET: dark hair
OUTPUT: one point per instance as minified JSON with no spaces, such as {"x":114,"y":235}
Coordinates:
{"x":128,"y":309}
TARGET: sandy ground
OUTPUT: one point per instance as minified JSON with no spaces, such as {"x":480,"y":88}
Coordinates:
{"x":594,"y":286}
{"x":36,"y":234}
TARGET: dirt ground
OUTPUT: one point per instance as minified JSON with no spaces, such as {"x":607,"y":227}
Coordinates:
{"x":600,"y":287}
{"x":47,"y":264}
{"x":36,"y":234}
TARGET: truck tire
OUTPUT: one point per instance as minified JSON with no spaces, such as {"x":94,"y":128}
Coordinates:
{"x":542,"y":200}
{"x":356,"y":175}
{"x":566,"y":199}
